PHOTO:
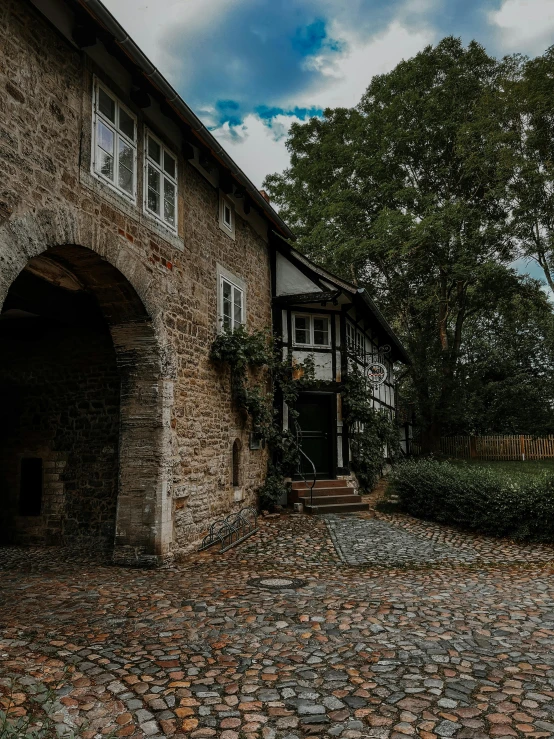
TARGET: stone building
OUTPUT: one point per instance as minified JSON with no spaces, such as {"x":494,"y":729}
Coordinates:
{"x":128,"y":238}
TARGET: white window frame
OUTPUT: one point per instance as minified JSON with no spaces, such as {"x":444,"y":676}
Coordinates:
{"x":310,"y":317}
{"x":229,"y":229}
{"x":350,"y":337}
{"x":148,"y":161}
{"x":360,"y":345}
{"x":224,"y":276}
{"x":97,"y":116}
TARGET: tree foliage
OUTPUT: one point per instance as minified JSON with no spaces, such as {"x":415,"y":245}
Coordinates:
{"x":505,"y":382}
{"x":531,"y":188}
{"x":409,"y":195}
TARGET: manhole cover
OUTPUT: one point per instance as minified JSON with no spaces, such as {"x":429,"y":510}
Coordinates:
{"x":276,"y":583}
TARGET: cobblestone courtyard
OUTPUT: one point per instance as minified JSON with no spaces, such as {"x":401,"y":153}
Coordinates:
{"x":411,"y":629}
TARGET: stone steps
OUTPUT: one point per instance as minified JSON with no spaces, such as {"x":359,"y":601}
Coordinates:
{"x":328,"y":496}
{"x":336,"y":508}
{"x":302,"y":485}
{"x":319,"y":500}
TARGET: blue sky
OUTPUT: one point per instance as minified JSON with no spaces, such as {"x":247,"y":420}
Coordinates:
{"x":250,"y":67}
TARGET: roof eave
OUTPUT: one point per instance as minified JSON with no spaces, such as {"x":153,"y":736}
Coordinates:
{"x":357,"y":293}
{"x":398,"y":347}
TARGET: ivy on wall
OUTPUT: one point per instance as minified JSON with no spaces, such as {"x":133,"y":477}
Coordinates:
{"x":372,"y":432}
{"x":259,"y":376}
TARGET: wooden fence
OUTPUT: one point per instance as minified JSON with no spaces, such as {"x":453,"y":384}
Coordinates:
{"x":505,"y":448}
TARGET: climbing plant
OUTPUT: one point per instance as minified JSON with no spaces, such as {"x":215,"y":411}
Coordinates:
{"x":243,"y":352}
{"x":372,"y":432}
{"x":259,"y":375}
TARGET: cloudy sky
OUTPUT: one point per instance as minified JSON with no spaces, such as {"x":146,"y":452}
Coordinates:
{"x":249,"y":68}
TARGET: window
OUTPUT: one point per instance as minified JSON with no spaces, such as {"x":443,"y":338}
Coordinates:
{"x":115,"y":143}
{"x":232,"y":304}
{"x":160,"y":181}
{"x":235,"y":472}
{"x":30,"y":487}
{"x":360,"y":344}
{"x":302,"y":334}
{"x":311,"y":330}
{"x":356,"y":341}
{"x":350,"y":337}
{"x":227,"y":216}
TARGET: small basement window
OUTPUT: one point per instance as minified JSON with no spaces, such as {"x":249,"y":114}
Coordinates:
{"x":30,"y":487}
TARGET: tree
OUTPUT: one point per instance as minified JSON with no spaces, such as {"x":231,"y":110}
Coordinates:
{"x":505,"y":378}
{"x":406,"y":194}
{"x":532,"y":186}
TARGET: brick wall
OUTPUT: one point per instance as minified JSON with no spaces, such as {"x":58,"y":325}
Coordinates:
{"x":48,"y":198}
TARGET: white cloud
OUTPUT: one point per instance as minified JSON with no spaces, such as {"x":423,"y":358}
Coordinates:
{"x":260,"y":150}
{"x":256,"y":148}
{"x":524,"y":25}
{"x":346,"y":77}
{"x":148,"y":22}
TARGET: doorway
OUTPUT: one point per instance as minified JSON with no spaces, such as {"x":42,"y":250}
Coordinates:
{"x":317,"y":421}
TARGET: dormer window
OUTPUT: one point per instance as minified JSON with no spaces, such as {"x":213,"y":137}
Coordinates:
{"x":311,"y":330}
{"x":226,"y":216}
{"x":160,"y":182}
{"x":114,"y":158}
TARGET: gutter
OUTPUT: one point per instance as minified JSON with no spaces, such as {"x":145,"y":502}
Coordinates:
{"x":102,"y":15}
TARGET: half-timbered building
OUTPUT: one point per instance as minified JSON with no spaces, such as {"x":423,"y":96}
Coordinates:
{"x":338,"y":326}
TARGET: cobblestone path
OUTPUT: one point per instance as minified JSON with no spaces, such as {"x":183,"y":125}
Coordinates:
{"x":361,"y":541}
{"x":439,"y":646}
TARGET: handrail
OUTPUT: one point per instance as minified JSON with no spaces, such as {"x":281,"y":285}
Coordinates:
{"x":303,"y":453}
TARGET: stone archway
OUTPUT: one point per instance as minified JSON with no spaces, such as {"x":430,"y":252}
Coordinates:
{"x":131,"y":356}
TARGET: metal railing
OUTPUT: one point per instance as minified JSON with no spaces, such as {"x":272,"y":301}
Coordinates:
{"x":231,"y":530}
{"x":301,"y":473}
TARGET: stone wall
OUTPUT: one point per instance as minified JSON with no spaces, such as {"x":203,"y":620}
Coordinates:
{"x":48,"y":198}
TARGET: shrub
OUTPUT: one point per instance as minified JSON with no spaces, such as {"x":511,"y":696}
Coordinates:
{"x":477,"y":498}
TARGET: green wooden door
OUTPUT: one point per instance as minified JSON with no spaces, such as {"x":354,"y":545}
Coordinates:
{"x":315,"y":418}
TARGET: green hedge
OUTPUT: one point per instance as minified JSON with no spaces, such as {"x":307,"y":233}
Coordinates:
{"x":477,"y":498}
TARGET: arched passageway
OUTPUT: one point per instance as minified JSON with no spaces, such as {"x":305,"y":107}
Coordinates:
{"x":82,"y":439}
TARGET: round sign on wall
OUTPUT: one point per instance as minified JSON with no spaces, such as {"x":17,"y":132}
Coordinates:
{"x":376,"y":373}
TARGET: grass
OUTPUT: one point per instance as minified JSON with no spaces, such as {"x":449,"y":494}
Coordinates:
{"x":531,"y":467}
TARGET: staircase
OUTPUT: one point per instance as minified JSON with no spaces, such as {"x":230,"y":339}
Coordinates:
{"x":329,"y":496}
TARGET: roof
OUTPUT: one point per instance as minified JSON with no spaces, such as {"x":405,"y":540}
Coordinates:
{"x":360,"y":296}
{"x":102,"y":16}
